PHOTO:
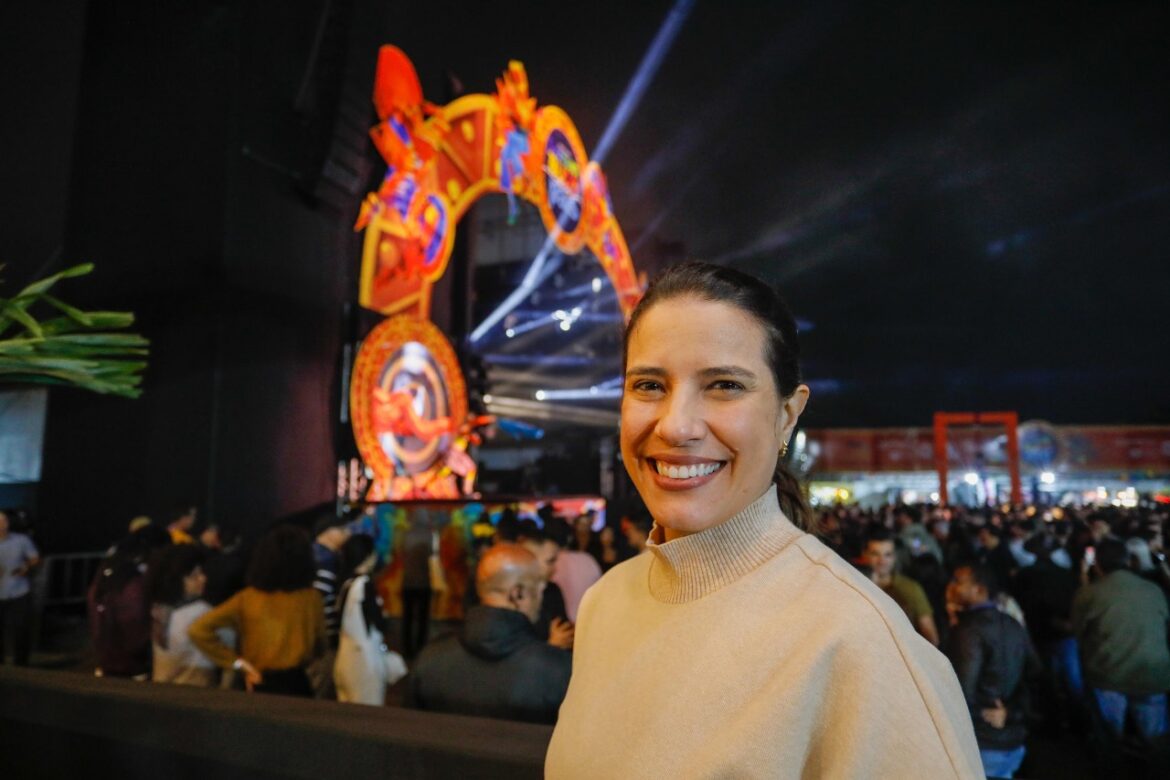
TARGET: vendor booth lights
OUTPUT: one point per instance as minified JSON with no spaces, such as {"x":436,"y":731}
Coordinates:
{"x":408,"y":397}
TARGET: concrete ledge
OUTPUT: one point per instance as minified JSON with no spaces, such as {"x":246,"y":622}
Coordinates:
{"x":65,"y":724}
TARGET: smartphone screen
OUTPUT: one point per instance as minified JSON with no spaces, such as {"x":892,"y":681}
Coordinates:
{"x":1090,"y":556}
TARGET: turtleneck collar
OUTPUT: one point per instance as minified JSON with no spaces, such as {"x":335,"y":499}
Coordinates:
{"x":692,"y":566}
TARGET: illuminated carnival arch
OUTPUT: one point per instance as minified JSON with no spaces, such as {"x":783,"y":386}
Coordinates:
{"x":408,"y":398}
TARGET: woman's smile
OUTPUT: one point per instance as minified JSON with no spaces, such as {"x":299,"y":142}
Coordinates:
{"x":682,"y":476}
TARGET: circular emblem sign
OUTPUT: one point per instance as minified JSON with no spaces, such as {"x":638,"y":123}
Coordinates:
{"x":407,"y":398}
{"x":1040,"y":444}
{"x":562,"y":161}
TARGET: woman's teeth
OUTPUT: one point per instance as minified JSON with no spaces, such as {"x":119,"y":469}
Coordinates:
{"x":685,"y":472}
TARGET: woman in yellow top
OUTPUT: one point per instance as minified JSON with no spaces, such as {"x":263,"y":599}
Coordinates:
{"x":279,"y":618}
{"x":740,"y":645}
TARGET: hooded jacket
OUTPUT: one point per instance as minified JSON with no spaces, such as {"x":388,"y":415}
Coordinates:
{"x":494,"y":667}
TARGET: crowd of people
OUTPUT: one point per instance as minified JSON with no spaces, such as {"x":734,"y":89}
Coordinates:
{"x":1055,"y":618}
{"x":293,"y":615}
{"x":300,"y":613}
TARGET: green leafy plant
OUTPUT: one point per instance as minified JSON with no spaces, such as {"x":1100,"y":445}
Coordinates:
{"x":74,"y":347}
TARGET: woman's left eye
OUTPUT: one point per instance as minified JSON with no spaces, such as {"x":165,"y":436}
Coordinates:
{"x":726,"y":385}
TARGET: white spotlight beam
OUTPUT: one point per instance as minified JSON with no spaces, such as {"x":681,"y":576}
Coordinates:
{"x":630,"y":99}
{"x":643,"y":76}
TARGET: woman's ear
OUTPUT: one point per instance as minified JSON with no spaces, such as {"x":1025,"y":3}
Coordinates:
{"x":790,"y":412}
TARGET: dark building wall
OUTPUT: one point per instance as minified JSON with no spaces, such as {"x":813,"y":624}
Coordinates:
{"x":201,"y":133}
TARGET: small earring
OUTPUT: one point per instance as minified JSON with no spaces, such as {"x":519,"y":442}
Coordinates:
{"x":783,"y":449}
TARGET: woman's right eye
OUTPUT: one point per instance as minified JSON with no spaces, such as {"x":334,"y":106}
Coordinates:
{"x":646,"y":386}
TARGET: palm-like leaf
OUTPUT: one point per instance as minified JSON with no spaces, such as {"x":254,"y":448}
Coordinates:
{"x":75,"y":347}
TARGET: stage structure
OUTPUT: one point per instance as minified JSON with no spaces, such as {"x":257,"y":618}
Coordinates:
{"x":944,"y":421}
{"x":408,"y":398}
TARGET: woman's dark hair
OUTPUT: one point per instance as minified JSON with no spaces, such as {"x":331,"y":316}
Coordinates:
{"x":282,"y":560}
{"x":708,"y":282}
{"x":166,"y":570}
{"x":356,"y":549}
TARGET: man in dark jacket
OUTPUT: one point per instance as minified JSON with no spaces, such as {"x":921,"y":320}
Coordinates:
{"x":496,"y":666}
{"x":989,"y":651}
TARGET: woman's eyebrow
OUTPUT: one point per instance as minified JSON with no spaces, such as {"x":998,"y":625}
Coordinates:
{"x":736,"y":371}
{"x":646,"y":371}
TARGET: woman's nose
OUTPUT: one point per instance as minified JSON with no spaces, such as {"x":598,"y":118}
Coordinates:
{"x":681,"y":420}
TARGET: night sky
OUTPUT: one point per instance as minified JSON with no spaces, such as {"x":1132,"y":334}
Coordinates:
{"x":968,"y":203}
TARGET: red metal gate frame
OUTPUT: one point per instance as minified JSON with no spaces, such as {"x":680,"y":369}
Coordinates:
{"x":945,"y":420}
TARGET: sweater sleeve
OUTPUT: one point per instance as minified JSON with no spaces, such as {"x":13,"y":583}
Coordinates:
{"x":203,"y":631}
{"x":891,"y":698}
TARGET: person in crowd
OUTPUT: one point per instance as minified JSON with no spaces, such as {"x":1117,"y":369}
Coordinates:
{"x":741,"y":645}
{"x":584,"y":539}
{"x":1019,"y":533}
{"x":928,"y":571}
{"x":553,"y":623}
{"x":18,"y":557}
{"x":1046,"y":594}
{"x":1143,"y":562}
{"x":175,"y":584}
{"x":1061,"y":535}
{"x":224,"y":563}
{"x":365,"y":665}
{"x":608,"y":553}
{"x":496,"y":666}
{"x":907,"y":593}
{"x":1121,"y":622}
{"x":636,"y":530}
{"x":957,"y":545}
{"x":1100,"y":529}
{"x":209,"y":537}
{"x":419,"y":543}
{"x":913,"y":537}
{"x":330,"y":533}
{"x":278,"y":617}
{"x":990,"y":652}
{"x":575,"y":571}
{"x":118,"y":606}
{"x":993,"y":552}
{"x":181,"y":524}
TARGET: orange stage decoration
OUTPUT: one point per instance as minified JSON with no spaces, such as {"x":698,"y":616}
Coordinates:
{"x":408,"y":402}
{"x":439,"y":160}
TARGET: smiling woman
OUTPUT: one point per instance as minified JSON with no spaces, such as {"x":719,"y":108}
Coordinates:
{"x":740,"y":646}
{"x":705,"y":414}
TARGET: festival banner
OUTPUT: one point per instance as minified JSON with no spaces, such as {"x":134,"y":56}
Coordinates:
{"x":1068,"y":448}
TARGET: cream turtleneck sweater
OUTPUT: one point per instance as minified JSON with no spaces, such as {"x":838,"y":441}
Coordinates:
{"x":751,"y":650}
